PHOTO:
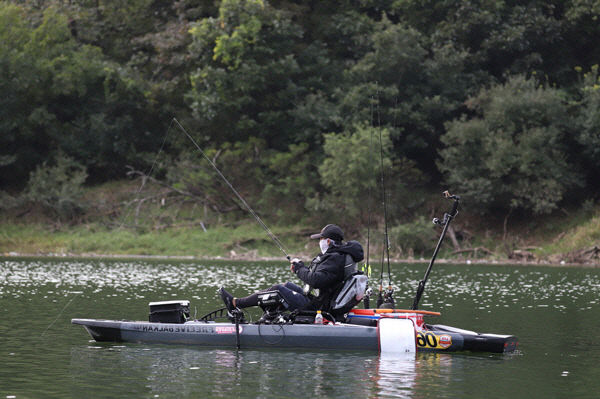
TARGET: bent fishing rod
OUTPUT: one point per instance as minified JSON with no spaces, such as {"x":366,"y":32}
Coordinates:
{"x":445,"y":222}
{"x":258,"y":219}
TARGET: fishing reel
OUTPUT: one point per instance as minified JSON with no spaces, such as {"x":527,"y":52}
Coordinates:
{"x":386,"y":299}
{"x":439,"y":222}
{"x":367,"y":298}
{"x":453,"y":212}
{"x":443,"y":221}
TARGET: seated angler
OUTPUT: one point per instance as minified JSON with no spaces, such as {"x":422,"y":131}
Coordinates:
{"x":324,"y":275}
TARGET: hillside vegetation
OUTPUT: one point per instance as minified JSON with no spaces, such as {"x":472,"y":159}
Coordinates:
{"x":113,"y":108}
{"x":115,"y":225}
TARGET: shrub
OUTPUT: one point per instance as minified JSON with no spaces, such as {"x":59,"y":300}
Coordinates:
{"x":58,"y":188}
{"x":416,"y":237}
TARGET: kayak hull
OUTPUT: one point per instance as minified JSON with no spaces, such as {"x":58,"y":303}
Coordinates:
{"x":344,"y":337}
{"x":339,"y":336}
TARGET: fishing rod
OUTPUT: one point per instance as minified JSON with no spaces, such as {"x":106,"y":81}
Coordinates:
{"x":385,"y":297}
{"x":367,"y":265}
{"x":258,"y":219}
{"x":369,"y":194}
{"x":445,"y":222}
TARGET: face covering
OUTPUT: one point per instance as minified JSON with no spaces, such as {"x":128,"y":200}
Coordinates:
{"x":324,"y":246}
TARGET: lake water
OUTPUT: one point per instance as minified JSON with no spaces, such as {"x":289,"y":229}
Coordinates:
{"x":554,"y":311}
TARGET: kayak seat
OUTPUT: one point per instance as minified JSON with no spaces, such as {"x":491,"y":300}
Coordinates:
{"x":349,"y":292}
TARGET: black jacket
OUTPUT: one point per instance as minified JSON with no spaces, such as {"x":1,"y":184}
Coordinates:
{"x":326,"y":272}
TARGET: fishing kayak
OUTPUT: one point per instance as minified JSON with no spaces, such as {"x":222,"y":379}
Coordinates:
{"x":361,"y":331}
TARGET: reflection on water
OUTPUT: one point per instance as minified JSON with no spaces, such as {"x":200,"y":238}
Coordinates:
{"x":173,"y":370}
{"x":157,"y":370}
{"x":397,"y":375}
{"x":553,"y":311}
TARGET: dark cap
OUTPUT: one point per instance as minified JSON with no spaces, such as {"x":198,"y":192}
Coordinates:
{"x":330,"y":231}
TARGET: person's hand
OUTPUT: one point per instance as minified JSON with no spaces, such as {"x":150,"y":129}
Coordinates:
{"x":295,"y":264}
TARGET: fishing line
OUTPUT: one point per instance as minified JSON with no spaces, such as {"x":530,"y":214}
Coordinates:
{"x":258,"y":219}
{"x":122,"y":220}
{"x":61,"y":312}
{"x":143,"y":183}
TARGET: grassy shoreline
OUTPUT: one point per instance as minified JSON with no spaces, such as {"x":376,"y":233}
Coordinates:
{"x":114,"y":226}
{"x":494,"y":262}
{"x":248,"y":240}
{"x":244,"y":242}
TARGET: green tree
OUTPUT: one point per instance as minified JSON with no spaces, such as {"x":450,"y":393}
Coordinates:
{"x":275,"y":183}
{"x":409,"y":85}
{"x":589,"y":120}
{"x":65,"y":96}
{"x":581,"y":30}
{"x":293,"y":179}
{"x":512,"y":154}
{"x":350,"y":172}
{"x":242,"y":163}
{"x":501,"y":37}
{"x":99,"y":80}
{"x":246,"y":82}
{"x":387,"y":84}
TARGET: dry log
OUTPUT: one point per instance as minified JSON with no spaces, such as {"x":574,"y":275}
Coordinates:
{"x":474,"y":250}
{"x":519,"y":254}
{"x":452,"y":235}
{"x":585,"y":255}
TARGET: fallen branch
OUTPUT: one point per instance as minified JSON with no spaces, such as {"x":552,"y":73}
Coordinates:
{"x":521,"y":255}
{"x":475,"y":250}
{"x":133,"y":172}
{"x":176,"y":226}
{"x":585,"y":255}
{"x":203,"y":200}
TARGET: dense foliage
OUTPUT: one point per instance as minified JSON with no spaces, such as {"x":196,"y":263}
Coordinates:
{"x":499,"y":100}
{"x":514,"y":150}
